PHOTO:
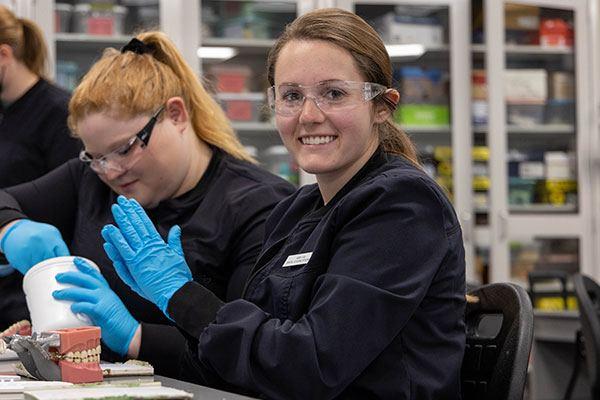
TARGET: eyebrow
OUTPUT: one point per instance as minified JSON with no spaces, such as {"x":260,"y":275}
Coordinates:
{"x":295,"y":84}
{"x":111,"y":148}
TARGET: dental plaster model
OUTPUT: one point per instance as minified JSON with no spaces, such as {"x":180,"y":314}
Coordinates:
{"x":70,"y":355}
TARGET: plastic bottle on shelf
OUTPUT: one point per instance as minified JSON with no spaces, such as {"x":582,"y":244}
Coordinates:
{"x":278,"y":161}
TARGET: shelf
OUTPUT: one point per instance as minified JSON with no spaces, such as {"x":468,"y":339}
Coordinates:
{"x":533,"y":208}
{"x":251,"y":96}
{"x":83,"y":37}
{"x":532,"y":129}
{"x":542,"y":129}
{"x":80,"y":42}
{"x":251,"y":127}
{"x":527,"y":49}
{"x":537,"y":50}
{"x":243,"y":46}
{"x":542,"y":209}
{"x":417,"y":129}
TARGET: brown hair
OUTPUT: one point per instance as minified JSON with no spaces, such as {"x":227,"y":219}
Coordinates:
{"x":130,"y":84}
{"x":26,"y":40}
{"x":350,"y":32}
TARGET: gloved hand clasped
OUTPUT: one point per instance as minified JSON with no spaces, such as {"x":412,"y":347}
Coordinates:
{"x":151,"y":267}
{"x":27,"y":243}
{"x":93,"y":296}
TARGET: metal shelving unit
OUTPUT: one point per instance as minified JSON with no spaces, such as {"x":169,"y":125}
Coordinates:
{"x":510,"y":223}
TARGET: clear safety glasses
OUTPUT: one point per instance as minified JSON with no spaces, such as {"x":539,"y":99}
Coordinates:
{"x":330,"y":96}
{"x":125,"y":156}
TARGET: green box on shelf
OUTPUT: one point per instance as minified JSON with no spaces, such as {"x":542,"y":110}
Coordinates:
{"x":422,"y":114}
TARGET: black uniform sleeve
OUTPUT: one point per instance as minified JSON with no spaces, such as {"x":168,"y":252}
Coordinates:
{"x":389,"y":244}
{"x":194,"y":307}
{"x":51,"y":198}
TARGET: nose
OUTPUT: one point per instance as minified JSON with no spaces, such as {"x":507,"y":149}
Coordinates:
{"x":310,"y":111}
{"x":112,"y":171}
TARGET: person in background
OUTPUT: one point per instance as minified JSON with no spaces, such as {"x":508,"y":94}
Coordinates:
{"x":151,"y":132}
{"x":359,"y":289}
{"x":34,"y":137}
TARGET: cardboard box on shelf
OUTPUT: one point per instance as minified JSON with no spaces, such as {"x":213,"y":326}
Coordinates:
{"x":242,"y":108}
{"x":562,"y":85}
{"x":402,"y":30}
{"x":526,"y":86}
{"x":526,"y":114}
{"x":231,"y":78}
{"x":521,"y":17}
{"x":556,"y":32}
{"x":560,"y":165}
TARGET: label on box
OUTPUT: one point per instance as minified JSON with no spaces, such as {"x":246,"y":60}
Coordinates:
{"x":531,"y":169}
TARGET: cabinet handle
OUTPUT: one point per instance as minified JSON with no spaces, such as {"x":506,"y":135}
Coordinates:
{"x":467,"y":227}
{"x":502,"y":225}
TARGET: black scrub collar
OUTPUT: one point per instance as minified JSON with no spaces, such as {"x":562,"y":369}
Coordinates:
{"x":193,"y":197}
{"x":379,"y":158}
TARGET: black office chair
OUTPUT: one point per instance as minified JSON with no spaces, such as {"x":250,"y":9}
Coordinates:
{"x":539,"y":278}
{"x":499,"y":320}
{"x":588,"y":296}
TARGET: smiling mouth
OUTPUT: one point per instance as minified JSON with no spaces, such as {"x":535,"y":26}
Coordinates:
{"x":316,"y":140}
{"x":126,"y":185}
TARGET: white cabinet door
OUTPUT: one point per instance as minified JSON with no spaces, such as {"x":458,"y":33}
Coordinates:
{"x":429,"y":44}
{"x":236,"y":36}
{"x":538,"y":69}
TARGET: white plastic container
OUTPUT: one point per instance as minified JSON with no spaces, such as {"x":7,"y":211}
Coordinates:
{"x":47,"y":313}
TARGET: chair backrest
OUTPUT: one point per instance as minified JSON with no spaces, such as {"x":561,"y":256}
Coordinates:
{"x":499,"y":336}
{"x":588,"y":296}
{"x":560,"y":296}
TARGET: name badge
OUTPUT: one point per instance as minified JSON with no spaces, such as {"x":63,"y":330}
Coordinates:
{"x":297,"y":259}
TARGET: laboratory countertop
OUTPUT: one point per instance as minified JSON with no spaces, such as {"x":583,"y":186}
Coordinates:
{"x":199,"y":392}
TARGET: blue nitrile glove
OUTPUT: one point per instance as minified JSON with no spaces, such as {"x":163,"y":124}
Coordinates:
{"x":93,"y":296}
{"x":27,"y":242}
{"x":143,"y":260}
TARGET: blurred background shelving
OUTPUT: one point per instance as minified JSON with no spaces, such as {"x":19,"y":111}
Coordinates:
{"x":497,"y":95}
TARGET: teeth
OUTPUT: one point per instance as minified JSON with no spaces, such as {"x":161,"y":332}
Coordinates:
{"x":317,"y":139}
{"x":84,"y":356}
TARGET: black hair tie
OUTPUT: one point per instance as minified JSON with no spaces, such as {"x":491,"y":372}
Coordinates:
{"x":138,"y":47}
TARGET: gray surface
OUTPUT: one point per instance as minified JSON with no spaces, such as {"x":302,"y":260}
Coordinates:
{"x":553,"y":357}
{"x":199,"y":392}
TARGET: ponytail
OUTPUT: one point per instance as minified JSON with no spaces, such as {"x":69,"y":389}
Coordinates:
{"x":208,"y":119}
{"x":26,"y":39}
{"x":33,"y":52}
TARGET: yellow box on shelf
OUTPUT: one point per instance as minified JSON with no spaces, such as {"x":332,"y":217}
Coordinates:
{"x":480,"y":153}
{"x":556,"y":303}
{"x":481,"y":183}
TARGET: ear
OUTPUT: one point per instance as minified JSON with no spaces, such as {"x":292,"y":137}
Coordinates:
{"x":177,"y":113}
{"x":6,"y":53}
{"x":382,"y":110}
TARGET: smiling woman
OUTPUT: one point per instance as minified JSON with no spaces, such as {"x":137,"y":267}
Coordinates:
{"x":359,"y":289}
{"x":150,"y":132}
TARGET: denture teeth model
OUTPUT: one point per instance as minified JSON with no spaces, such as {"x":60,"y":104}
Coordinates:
{"x":70,"y":355}
{"x":22,"y":328}
{"x":78,"y":355}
